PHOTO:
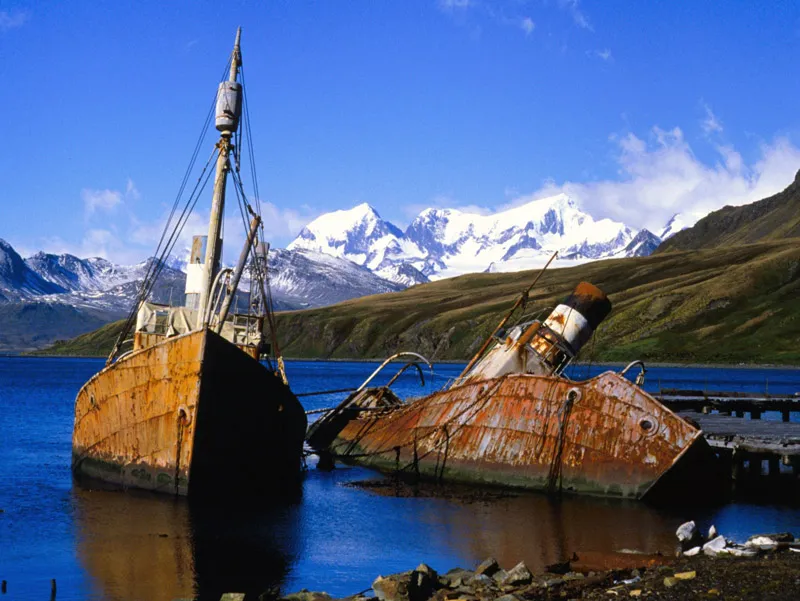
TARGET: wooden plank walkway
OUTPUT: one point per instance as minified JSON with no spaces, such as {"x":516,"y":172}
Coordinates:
{"x":755,"y":436}
{"x":738,"y":403}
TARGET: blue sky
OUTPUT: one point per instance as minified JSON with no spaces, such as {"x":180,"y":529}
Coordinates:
{"x":637,"y":109}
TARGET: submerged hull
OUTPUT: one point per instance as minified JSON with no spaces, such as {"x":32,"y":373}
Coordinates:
{"x":190,"y":415}
{"x":604,"y":436}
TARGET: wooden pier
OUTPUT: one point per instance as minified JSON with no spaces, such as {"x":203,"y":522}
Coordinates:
{"x":760,"y":455}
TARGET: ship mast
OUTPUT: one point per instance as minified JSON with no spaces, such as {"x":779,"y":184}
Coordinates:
{"x":229,"y":109}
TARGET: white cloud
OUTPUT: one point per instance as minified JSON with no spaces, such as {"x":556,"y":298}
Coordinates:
{"x":453,"y":5}
{"x":711,"y":124}
{"x":578,"y":16}
{"x":661,"y":176}
{"x":527,"y":25}
{"x":130,"y":190}
{"x":604,"y":54}
{"x":12,"y":20}
{"x":444,"y":201}
{"x":100,"y":200}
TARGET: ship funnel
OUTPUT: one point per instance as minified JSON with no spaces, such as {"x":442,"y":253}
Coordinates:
{"x":562,"y":335}
{"x":546,"y":348}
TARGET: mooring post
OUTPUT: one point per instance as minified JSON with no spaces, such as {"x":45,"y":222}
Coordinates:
{"x":785,"y":414}
{"x":3,"y":587}
{"x":755,"y":414}
{"x":754,"y":466}
{"x":774,"y":466}
{"x":53,"y":589}
{"x":736,"y":465}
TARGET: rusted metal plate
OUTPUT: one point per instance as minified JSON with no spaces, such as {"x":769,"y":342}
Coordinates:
{"x":134,"y":420}
{"x":191,"y":412}
{"x":602,"y":436}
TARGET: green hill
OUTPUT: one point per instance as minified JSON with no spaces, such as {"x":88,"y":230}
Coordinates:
{"x":736,"y":304}
{"x":773,"y":218}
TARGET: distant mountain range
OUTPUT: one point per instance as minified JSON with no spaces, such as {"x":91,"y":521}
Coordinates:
{"x":338,"y":256}
{"x":441,"y":243}
{"x":48,"y":296}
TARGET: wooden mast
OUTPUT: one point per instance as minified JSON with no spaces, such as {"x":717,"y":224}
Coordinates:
{"x":228,"y":111}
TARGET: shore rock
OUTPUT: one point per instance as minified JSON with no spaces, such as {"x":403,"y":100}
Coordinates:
{"x":687,"y":532}
{"x":488,"y":567}
{"x":422,"y":583}
{"x":518,"y":575}
{"x":392,"y":588}
{"x":302,"y":595}
{"x":714,"y":547}
{"x":456,"y":577}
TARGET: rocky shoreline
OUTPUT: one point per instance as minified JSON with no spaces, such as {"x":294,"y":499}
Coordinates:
{"x":767,"y":566}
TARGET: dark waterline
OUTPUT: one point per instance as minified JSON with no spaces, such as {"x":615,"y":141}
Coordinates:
{"x":111,"y":545}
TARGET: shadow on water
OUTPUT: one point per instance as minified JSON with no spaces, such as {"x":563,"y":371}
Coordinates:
{"x":144,"y":546}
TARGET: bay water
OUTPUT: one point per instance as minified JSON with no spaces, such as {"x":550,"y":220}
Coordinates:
{"x":330,"y":536}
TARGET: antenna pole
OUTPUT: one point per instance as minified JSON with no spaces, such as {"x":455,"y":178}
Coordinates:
{"x":503,"y":321}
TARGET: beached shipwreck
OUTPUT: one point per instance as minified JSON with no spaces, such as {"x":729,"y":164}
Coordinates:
{"x":513,"y":418}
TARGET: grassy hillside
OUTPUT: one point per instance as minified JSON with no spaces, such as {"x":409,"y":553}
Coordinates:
{"x":28,"y":325}
{"x":723,"y":305}
{"x":773,"y":218}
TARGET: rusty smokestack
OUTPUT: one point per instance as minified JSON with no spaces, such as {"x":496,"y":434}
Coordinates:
{"x":562,"y":335}
{"x":546,"y":348}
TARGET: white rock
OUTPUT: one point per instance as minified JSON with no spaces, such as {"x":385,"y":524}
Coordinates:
{"x":715,"y":546}
{"x":686,"y":532}
{"x":692,"y":552}
{"x":712,"y":532}
{"x":737,"y":552}
{"x":759,"y":541}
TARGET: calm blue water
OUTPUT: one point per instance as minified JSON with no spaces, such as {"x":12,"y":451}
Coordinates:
{"x":112,"y":545}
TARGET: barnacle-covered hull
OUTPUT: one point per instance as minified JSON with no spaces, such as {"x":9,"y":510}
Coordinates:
{"x":604,"y":436}
{"x":190,"y":414}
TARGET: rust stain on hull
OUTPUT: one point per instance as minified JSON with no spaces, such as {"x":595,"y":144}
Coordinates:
{"x":604,"y":436}
{"x":191,"y":412}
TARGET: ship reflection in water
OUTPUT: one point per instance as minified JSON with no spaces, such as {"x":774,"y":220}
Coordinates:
{"x":143,"y":546}
{"x":337,"y":538}
{"x":541,"y":530}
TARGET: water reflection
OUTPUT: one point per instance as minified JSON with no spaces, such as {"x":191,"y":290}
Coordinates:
{"x":541,"y":530}
{"x":142,"y":546}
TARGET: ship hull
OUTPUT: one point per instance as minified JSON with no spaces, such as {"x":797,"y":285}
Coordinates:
{"x":604,"y":436}
{"x":190,"y":415}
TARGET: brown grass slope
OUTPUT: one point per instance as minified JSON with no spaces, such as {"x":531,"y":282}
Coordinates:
{"x":736,"y":304}
{"x":724,"y":305}
{"x":773,"y":218}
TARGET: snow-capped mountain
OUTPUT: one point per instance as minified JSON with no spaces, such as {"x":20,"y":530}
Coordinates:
{"x":305,"y":278}
{"x":86,"y":293}
{"x":677,"y":222}
{"x":359,"y":235}
{"x":442,"y":243}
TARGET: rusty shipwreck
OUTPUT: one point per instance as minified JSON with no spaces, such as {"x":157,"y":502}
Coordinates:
{"x":199,"y":404}
{"x":513,"y":418}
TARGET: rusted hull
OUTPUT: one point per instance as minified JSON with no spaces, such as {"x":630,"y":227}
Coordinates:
{"x":192,"y":414}
{"x":604,"y":436}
